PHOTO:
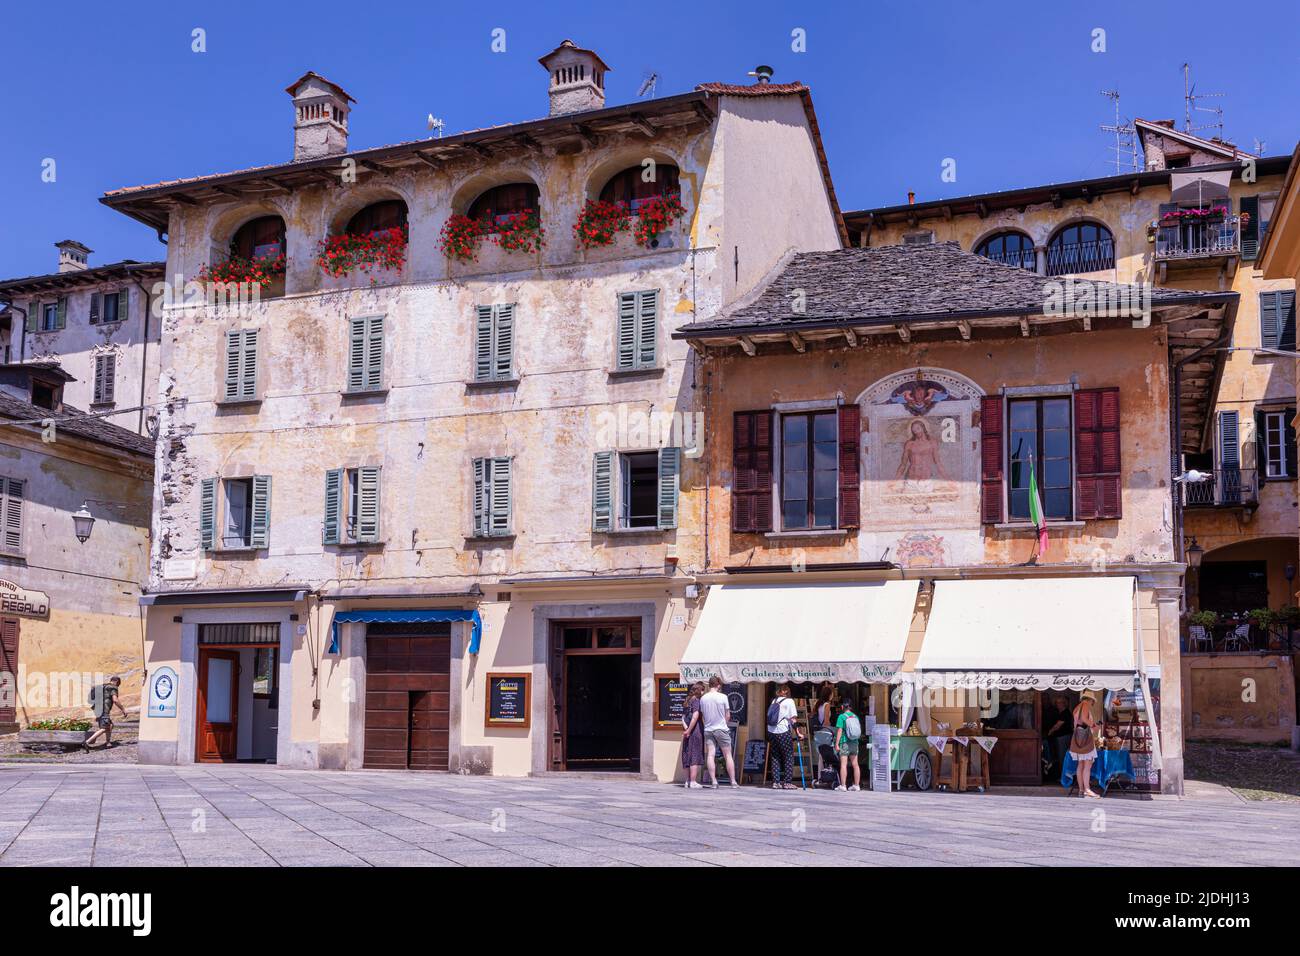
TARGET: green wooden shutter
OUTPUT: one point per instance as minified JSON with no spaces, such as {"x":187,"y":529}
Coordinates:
{"x":357,"y":356}
{"x":61,"y":320}
{"x":94,"y":308}
{"x":208,"y":514}
{"x":670,"y":476}
{"x":34,"y":315}
{"x":105,"y":378}
{"x":647,"y":328}
{"x":368,"y":503}
{"x":333,"y":506}
{"x":1250,"y":232}
{"x":1286,"y":320}
{"x":13,"y":515}
{"x":234,"y":346}
{"x":123,"y":304}
{"x":500,"y":505}
{"x":480,"y":497}
{"x":374,"y":376}
{"x":602,"y":491}
{"x":626,"y":331}
{"x":261,"y":524}
{"x":503,"y":343}
{"x":248,"y":365}
{"x":1229,"y":442}
{"x":483,"y":344}
{"x":1270,"y":326}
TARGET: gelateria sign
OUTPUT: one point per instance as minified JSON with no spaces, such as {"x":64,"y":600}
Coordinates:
{"x":19,"y":602}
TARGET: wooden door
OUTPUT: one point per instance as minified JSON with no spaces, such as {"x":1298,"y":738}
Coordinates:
{"x":1016,"y":759}
{"x":217,"y":713}
{"x":408,"y":696}
{"x":9,"y":670}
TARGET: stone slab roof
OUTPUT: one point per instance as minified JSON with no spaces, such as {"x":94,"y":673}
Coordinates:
{"x":74,"y":421}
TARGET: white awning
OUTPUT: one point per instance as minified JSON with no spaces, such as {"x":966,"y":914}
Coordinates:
{"x":802,"y":632}
{"x":1042,"y":634}
{"x":1199,"y":186}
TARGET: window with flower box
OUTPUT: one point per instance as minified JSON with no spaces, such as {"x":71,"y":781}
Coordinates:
{"x":499,"y":204}
{"x":638,"y":184}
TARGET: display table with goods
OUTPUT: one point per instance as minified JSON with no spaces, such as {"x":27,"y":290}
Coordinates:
{"x":1109,"y":765}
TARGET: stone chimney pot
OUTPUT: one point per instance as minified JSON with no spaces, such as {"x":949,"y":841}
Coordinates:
{"x":577,"y":79}
{"x":320,"y":126}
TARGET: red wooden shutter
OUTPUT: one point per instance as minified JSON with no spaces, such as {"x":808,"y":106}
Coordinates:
{"x":751,"y":467}
{"x":991,"y":459}
{"x":9,"y":669}
{"x":1096,"y":441}
{"x":850,"y":466}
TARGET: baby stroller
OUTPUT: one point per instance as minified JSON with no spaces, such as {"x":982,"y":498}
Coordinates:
{"x":828,"y":777}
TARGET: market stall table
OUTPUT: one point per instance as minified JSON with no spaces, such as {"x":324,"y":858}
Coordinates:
{"x":1108,"y":765}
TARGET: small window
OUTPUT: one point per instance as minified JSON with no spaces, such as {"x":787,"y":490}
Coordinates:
{"x":635,"y":490}
{"x":261,"y":238}
{"x":1277,"y":320}
{"x":809,"y":470}
{"x":638,"y":327}
{"x":44,"y":395}
{"x":1039,"y":438}
{"x":1277,"y":444}
{"x":1085,"y":247}
{"x":632,"y":187}
{"x":105,"y":382}
{"x":388,"y":214}
{"x":12,"y":494}
{"x":237,"y":529}
{"x":235,"y":513}
{"x":108,"y":310}
{"x":366,"y":354}
{"x":492,"y":496}
{"x":640,"y":486}
{"x":501,"y":202}
{"x":50,"y":317}
{"x":352,"y":505}
{"x":1009,"y":248}
{"x":918,"y":238}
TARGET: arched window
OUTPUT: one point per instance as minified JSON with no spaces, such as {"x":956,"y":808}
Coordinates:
{"x":499,"y":202}
{"x":630,"y":186}
{"x":386,"y":214}
{"x":1084,"y":247}
{"x":1009,"y":248}
{"x":261,"y":238}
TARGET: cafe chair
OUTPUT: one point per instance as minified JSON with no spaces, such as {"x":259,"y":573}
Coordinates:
{"x":1200,"y":638}
{"x":1238,"y":639}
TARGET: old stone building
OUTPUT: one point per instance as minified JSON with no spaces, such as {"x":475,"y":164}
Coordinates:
{"x":1192,"y":219}
{"x":432,"y":500}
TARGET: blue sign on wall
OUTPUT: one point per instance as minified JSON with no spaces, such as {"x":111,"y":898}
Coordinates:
{"x":164,"y":689}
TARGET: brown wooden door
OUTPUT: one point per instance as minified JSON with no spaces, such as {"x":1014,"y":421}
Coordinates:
{"x":408,"y":691}
{"x":217,"y":717}
{"x":9,"y":670}
{"x":1016,"y":759}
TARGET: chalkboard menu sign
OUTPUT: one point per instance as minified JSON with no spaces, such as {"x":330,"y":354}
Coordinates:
{"x":737,"y":703}
{"x":671,"y":694}
{"x":508,"y":700}
{"x":755,"y":756}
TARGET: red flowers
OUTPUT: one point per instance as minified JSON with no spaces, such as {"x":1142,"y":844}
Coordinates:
{"x":599,"y":221}
{"x":382,"y":249}
{"x":236,"y":270}
{"x":1179,"y":214}
{"x":460,"y":238}
{"x":515,"y":232}
{"x":520,"y":232}
{"x":656,"y":215}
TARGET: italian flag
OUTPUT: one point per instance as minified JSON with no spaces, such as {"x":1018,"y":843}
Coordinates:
{"x":1036,"y":509}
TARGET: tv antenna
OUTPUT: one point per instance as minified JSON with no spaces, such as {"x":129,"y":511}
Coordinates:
{"x":648,"y":86}
{"x":435,"y":123}
{"x":1259,"y":147}
{"x":1190,"y":96}
{"x":1125,"y":148}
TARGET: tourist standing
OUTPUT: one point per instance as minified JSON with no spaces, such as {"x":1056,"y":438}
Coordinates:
{"x":715,"y":709}
{"x":693,"y":737}
{"x":781,"y":728}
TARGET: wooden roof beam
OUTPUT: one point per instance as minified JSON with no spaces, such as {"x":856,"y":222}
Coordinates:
{"x":643,"y":125}
{"x":963,"y":326}
{"x":904,"y":332}
{"x":851,"y":337}
{"x":797,"y":342}
{"x":747,"y":344}
{"x":589,"y":135}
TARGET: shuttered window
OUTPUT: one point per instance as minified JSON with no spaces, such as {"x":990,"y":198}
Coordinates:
{"x":1275,"y":444}
{"x":47,"y":316}
{"x":1097,"y":444}
{"x":492,"y":496}
{"x":1277,"y":320}
{"x":751,"y":472}
{"x":351,"y":505}
{"x":635,"y":490}
{"x":1250,"y":230}
{"x":12,"y":493}
{"x":494,"y":343}
{"x":1229,"y":440}
{"x":638,"y":327}
{"x":991,"y":492}
{"x":105,"y":378}
{"x":235,"y":513}
{"x":109,"y":307}
{"x":241,"y":365}
{"x":366,"y":354}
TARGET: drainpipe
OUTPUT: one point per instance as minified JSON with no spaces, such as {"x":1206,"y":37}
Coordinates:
{"x":144,"y":353}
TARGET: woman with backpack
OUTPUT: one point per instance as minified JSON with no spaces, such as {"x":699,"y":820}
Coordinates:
{"x":848,"y":737}
{"x":781,"y":728}
{"x":1083,"y":744}
{"x":693,"y":738}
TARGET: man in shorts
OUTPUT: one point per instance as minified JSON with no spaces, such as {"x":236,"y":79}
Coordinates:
{"x":714,"y":710}
{"x":102,"y":701}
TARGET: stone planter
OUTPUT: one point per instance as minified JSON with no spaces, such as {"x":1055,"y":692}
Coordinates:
{"x":57,"y":738}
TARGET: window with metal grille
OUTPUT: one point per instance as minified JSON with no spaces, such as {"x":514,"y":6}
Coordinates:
{"x":263,"y":633}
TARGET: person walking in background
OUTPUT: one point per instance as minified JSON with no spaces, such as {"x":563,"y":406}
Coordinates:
{"x":823,"y":721}
{"x":781,"y":716}
{"x":693,"y":737}
{"x":848,"y":738}
{"x":1083,"y":743}
{"x":715,"y":710}
{"x":102,"y":701}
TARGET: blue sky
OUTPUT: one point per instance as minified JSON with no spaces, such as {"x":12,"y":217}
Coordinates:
{"x":114,"y":93}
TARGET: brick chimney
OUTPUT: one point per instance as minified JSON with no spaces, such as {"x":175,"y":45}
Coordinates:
{"x":73,"y":256}
{"x":577,"y":79}
{"x":320,"y":126}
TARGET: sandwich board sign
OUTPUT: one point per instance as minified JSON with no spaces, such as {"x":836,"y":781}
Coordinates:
{"x":880,"y":779}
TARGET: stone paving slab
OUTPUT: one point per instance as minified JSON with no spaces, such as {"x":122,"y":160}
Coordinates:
{"x":122,"y":815}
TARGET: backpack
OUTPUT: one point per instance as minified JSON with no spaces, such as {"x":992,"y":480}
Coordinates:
{"x":852,"y":727}
{"x":774,"y":712}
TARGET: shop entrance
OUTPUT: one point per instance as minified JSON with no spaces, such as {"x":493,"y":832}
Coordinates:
{"x":408,"y":696}
{"x":237,"y":705}
{"x":595,"y":695}
{"x":1033,"y":731}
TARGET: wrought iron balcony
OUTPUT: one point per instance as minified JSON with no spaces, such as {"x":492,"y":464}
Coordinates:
{"x":1072,"y":258}
{"x":1198,"y":238}
{"x":1021,"y":258}
{"x":1228,"y":488}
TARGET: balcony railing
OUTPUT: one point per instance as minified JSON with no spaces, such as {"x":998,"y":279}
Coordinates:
{"x":1021,"y":258}
{"x":1228,"y":487}
{"x":1196,"y":239}
{"x":1066,"y":258}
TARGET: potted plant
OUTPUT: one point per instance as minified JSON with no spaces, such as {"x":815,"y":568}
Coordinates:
{"x":350,"y":252}
{"x":600,"y":221}
{"x":57,"y":731}
{"x":1262,"y":618}
{"x":1205,"y":619}
{"x":237,"y":270}
{"x":655,"y":216}
{"x":520,"y":232}
{"x":460,"y":238}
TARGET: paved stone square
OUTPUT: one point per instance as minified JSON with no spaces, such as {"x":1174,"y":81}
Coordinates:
{"x":107,"y":815}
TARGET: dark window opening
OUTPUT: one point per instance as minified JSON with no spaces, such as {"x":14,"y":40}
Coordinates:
{"x":1039,"y":433}
{"x":631,"y":188}
{"x":500,"y":202}
{"x":237,"y":530}
{"x":640,"y":505}
{"x":388,"y":214}
{"x":809,"y":470}
{"x":44,"y":395}
{"x":261,"y":238}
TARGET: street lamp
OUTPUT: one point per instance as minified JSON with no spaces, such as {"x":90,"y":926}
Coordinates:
{"x":1194,"y":554}
{"x":83,"y":522}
